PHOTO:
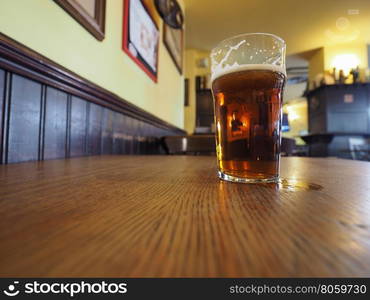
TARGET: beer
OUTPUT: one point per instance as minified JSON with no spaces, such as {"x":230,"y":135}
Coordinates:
{"x":248,"y":107}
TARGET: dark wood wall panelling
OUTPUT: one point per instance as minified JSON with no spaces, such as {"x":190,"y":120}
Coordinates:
{"x":56,"y":128}
{"x":2,"y":94}
{"x":43,"y":115}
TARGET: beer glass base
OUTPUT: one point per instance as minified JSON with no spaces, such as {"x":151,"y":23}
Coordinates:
{"x":231,"y":178}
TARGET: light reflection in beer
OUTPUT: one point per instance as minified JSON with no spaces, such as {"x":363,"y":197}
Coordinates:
{"x":221,"y":99}
{"x":237,"y":125}
{"x":247,"y":123}
{"x":219,"y":147}
{"x":219,"y":128}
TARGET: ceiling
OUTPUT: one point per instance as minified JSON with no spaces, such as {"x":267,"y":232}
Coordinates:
{"x":304,"y":25}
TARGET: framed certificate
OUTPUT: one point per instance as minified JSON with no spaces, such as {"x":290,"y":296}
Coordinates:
{"x":140,"y":37}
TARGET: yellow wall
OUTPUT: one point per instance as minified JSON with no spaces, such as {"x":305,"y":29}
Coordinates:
{"x":316,"y":63}
{"x":46,"y":28}
{"x":298,"y":119}
{"x":192,"y":56}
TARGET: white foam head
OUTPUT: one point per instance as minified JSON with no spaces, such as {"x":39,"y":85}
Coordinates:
{"x":218,"y":72}
{"x":251,"y":51}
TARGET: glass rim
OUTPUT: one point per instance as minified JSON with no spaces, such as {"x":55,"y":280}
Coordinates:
{"x":247,"y":34}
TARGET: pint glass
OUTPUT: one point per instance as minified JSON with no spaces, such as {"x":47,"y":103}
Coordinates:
{"x":248,"y":78}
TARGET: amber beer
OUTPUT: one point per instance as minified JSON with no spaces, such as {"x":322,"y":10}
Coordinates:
{"x":248,"y":107}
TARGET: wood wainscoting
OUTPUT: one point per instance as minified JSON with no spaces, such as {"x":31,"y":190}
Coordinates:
{"x":49,"y":112}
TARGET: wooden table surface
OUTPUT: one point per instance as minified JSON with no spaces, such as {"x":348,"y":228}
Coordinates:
{"x":169,"y":216}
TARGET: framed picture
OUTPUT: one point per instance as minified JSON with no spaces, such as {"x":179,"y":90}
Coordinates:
{"x":174,"y":41}
{"x":140,"y":37}
{"x":90,"y":14}
{"x":186,"y":92}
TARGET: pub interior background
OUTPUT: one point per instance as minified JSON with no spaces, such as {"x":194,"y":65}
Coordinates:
{"x":76,"y":86}
{"x":107,"y":149}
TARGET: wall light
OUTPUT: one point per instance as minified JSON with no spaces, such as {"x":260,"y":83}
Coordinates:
{"x":292,"y":114}
{"x":345,"y":62}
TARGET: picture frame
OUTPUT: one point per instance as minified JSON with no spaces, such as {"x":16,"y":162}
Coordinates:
{"x":140,"y":37}
{"x":186,"y":92}
{"x":173,"y":40}
{"x":93,"y":22}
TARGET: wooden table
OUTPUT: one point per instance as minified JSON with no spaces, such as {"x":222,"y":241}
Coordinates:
{"x":169,"y":216}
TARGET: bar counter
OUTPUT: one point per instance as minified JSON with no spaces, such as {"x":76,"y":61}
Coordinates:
{"x":170,"y":216}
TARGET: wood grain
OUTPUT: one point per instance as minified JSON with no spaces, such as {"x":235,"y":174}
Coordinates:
{"x":107,"y":132}
{"x":120,"y":128}
{"x":24,"y":123}
{"x":55,"y":124}
{"x":169,"y":216}
{"x":2,"y":105}
{"x":94,"y":130}
{"x":79,"y":117}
